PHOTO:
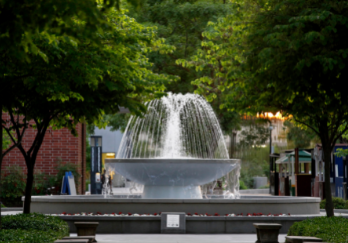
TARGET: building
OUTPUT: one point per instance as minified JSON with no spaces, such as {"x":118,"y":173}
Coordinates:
{"x":57,"y":145}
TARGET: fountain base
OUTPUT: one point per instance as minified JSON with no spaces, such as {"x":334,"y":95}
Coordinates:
{"x":172,"y":192}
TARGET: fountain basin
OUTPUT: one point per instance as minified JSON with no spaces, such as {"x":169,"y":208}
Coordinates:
{"x":115,"y":204}
{"x":172,"y":178}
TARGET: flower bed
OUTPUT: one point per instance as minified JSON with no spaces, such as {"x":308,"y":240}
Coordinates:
{"x":120,"y":214}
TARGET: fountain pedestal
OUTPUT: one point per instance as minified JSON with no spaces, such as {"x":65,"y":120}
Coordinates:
{"x":172,"y":192}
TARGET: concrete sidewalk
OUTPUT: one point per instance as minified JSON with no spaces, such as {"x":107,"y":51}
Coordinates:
{"x":178,"y":238}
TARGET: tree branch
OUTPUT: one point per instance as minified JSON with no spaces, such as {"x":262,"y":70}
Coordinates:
{"x":306,"y":124}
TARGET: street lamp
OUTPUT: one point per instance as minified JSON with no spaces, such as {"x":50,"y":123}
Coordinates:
{"x":270,"y":159}
{"x":270,"y":138}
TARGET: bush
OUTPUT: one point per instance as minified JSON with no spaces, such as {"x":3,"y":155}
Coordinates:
{"x":333,"y":229}
{"x":26,"y":236}
{"x":43,"y":181}
{"x":12,"y":186}
{"x":32,"y":228}
{"x":338,"y":203}
{"x":242,"y":186}
{"x":246,"y":180}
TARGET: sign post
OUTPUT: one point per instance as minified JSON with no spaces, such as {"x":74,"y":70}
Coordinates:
{"x":96,"y":163}
{"x":172,"y":223}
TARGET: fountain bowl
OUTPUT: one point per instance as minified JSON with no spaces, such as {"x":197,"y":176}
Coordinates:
{"x":172,"y":178}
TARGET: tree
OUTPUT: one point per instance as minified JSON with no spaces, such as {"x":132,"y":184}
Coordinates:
{"x":21,"y":21}
{"x":300,"y":136}
{"x":82,"y":82}
{"x":291,"y":56}
{"x":181,"y":23}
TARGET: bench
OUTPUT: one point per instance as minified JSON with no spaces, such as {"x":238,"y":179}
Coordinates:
{"x":90,"y":238}
{"x":86,"y":228}
{"x":302,"y":239}
{"x":267,"y":233}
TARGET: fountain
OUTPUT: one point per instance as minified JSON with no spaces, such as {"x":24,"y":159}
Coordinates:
{"x":174,"y":149}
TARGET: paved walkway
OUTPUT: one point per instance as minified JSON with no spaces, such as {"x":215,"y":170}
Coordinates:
{"x":185,"y":238}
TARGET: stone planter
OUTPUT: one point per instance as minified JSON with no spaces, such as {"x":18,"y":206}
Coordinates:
{"x":267,"y":233}
{"x":86,"y":228}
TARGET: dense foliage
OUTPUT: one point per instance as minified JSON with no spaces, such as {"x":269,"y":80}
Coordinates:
{"x":287,"y":56}
{"x":333,"y":229}
{"x":12,"y":186}
{"x":338,"y":203}
{"x":81,"y":82}
{"x":13,"y":182}
{"x":29,"y":228}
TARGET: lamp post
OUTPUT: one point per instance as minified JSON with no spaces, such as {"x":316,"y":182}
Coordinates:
{"x":270,"y":158}
{"x":270,"y":138}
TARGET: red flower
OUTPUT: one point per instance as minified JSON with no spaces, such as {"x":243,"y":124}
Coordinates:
{"x":155,"y":214}
{"x":113,"y":213}
{"x":188,"y":214}
{"x":129,"y":214}
{"x":64,"y":213}
{"x":119,"y":213}
{"x":216,"y":214}
{"x":226,"y":214}
{"x":289,"y":214}
{"x":99,"y":213}
{"x":196,"y":213}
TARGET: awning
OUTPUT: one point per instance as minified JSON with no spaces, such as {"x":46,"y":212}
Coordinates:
{"x":303,"y":157}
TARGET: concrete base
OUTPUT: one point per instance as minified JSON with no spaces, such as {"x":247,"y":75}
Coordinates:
{"x":265,"y":205}
{"x":172,"y":192}
{"x":194,"y":225}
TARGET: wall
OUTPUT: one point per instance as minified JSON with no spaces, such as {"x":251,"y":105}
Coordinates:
{"x":57,"y":144}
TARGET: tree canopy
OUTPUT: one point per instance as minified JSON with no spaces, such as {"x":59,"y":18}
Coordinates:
{"x":80,"y":83}
{"x":288,"y":56}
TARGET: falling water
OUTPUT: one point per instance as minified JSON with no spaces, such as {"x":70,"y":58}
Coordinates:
{"x":175,"y":126}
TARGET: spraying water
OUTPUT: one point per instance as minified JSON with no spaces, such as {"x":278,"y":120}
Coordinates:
{"x":175,"y":149}
{"x":175,"y":126}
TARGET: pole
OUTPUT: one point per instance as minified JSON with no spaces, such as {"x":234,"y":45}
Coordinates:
{"x":1,"y":152}
{"x":270,"y":158}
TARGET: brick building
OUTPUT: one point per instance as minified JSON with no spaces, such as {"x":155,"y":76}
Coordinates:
{"x":57,"y":145}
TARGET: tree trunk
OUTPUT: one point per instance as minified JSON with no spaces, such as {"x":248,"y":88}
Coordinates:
{"x":327,"y":159}
{"x":28,"y":187}
{"x":0,"y":154}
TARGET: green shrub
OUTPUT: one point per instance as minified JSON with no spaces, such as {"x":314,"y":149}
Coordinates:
{"x":32,"y":228}
{"x":242,"y":185}
{"x":25,"y":236}
{"x":338,"y":203}
{"x":246,"y":179}
{"x":333,"y":229}
{"x":35,"y":221}
{"x":12,"y":186}
{"x":43,"y":181}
